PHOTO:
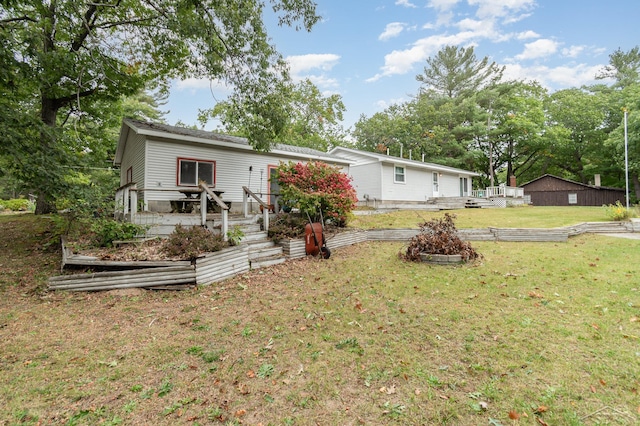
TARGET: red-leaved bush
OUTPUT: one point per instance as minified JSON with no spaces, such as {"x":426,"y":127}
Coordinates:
{"x":316,"y":186}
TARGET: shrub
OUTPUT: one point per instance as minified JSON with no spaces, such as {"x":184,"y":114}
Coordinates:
{"x":439,"y":236}
{"x":189,"y":243}
{"x":16,"y":205}
{"x":286,"y":225}
{"x":106,"y":231}
{"x":317,"y":186}
{"x":616,"y":211}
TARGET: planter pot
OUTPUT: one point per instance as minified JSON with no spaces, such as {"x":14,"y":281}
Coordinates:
{"x":441,"y":259}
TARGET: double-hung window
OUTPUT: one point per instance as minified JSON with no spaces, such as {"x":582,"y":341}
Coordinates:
{"x":398,"y":174}
{"x":191,"y":172}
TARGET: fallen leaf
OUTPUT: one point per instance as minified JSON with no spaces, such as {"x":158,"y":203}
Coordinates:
{"x":514,"y":415}
{"x":535,"y":295}
{"x":243,"y":389}
{"x":542,"y":422}
{"x":251,"y":374}
{"x":593,"y":389}
{"x":595,"y":326}
{"x":603,"y":383}
{"x":241,"y":413}
{"x":540,"y":409}
{"x":633,"y":319}
{"x":417,"y":392}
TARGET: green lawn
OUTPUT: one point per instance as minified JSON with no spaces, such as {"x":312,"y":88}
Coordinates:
{"x":515,"y":217}
{"x":534,"y":334}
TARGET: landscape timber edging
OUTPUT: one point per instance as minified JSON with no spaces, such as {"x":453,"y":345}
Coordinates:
{"x":441,"y":259}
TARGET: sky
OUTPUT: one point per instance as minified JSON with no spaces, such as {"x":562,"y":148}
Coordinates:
{"x":370,"y":51}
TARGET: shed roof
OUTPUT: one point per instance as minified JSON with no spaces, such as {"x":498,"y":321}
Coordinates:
{"x":549,"y":176}
{"x":183,"y":134}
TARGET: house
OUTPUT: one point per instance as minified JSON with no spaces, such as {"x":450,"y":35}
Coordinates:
{"x":549,"y":190}
{"x":383,"y":180}
{"x":165,"y":161}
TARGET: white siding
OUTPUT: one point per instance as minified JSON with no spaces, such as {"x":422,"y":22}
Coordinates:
{"x":134,"y":157}
{"x":450,"y":185}
{"x":366,"y":180}
{"x":416,"y":187}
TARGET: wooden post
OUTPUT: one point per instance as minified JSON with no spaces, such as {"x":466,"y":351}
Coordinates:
{"x":203,"y":208}
{"x":133,"y":196}
{"x":245,"y":203}
{"x":125,"y":202}
{"x":225,"y":224}
{"x":265,"y":220}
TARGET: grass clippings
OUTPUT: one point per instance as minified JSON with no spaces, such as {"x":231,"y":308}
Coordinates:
{"x":536,"y":333}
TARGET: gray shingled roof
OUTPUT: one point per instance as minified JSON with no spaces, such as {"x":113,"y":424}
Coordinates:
{"x":213,"y":136}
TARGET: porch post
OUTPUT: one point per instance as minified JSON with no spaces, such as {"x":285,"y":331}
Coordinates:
{"x":203,"y":208}
{"x":265,"y":219}
{"x":133,"y":194}
{"x":245,"y":203}
{"x":225,"y":224}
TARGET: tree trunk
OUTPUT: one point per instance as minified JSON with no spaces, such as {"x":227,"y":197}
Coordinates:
{"x":48,"y":115}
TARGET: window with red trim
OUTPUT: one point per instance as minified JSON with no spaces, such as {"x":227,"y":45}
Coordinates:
{"x":191,"y":172}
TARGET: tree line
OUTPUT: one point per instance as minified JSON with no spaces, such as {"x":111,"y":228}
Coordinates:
{"x":466,"y":115}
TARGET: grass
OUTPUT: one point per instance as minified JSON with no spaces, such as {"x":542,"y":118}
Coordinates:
{"x":516,"y":217}
{"x":535,"y":332}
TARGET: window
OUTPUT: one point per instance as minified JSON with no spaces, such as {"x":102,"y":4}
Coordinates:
{"x":129,"y":175}
{"x":398,"y":175}
{"x":573,"y":198}
{"x":191,"y":172}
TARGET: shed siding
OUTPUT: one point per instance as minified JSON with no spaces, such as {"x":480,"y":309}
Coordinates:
{"x":552,"y":191}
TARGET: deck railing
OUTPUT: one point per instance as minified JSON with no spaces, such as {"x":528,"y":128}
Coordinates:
{"x":127,"y":203}
{"x":498,"y":191}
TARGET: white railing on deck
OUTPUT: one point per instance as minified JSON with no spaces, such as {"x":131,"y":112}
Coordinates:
{"x":498,"y":191}
{"x":127,"y":204}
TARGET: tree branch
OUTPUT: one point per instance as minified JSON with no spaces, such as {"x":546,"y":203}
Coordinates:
{"x":22,"y":18}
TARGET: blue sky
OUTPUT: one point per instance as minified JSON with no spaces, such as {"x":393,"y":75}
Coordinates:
{"x":369,"y":51}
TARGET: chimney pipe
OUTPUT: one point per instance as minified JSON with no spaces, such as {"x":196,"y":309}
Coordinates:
{"x":597,"y":179}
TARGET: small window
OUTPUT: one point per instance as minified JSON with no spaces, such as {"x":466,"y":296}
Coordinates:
{"x":191,"y":172}
{"x":573,"y":198}
{"x":129,"y":175}
{"x":398,"y":175}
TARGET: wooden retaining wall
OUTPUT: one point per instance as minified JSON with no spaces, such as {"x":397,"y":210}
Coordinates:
{"x":221,"y":265}
{"x":138,"y":278}
{"x":295,"y":249}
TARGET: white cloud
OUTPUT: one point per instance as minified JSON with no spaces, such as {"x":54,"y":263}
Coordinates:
{"x":442,"y":5}
{"x":322,"y":81}
{"x":393,"y":29}
{"x":538,"y":49}
{"x":402,"y":61}
{"x":405,"y":3}
{"x":554,"y":78}
{"x":303,"y":63}
{"x":199,"y":83}
{"x":510,"y":10}
{"x":527,"y":35}
{"x":573,"y":51}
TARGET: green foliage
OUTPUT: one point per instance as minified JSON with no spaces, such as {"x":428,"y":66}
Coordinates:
{"x":265,"y":370}
{"x":235,"y":235}
{"x":16,"y":205}
{"x":315,"y":187}
{"x":106,"y":231}
{"x":616,"y":211}
{"x":439,"y":236}
{"x":189,"y":243}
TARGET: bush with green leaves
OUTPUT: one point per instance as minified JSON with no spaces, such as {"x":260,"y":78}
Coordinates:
{"x":106,"y":231}
{"x":316,"y":187}
{"x":286,"y":225}
{"x":616,"y":211}
{"x":190,"y":242}
{"x":16,"y":205}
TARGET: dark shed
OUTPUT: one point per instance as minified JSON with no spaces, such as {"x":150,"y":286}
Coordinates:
{"x":549,"y":190}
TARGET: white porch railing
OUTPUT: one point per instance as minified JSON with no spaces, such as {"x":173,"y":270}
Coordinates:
{"x":498,"y":191}
{"x":246,"y":193}
{"x":126,"y":207}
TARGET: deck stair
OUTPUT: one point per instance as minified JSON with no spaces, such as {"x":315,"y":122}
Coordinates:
{"x":454,"y":203}
{"x":262,"y":251}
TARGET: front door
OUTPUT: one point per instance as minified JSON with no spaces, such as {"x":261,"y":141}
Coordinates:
{"x":436,"y":187}
{"x":464,"y":192}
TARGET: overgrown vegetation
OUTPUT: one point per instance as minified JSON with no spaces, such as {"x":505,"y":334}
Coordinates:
{"x":286,"y":225}
{"x":16,"y":205}
{"x":439,"y":236}
{"x":189,"y":243}
{"x":617,"y":211}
